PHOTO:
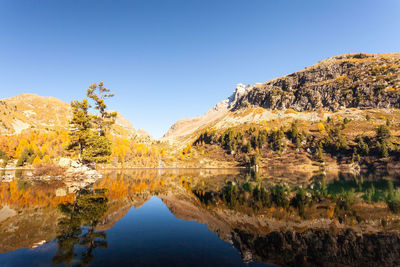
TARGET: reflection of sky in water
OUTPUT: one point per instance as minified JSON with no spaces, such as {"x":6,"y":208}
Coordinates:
{"x":152,"y":235}
{"x":148,"y":236}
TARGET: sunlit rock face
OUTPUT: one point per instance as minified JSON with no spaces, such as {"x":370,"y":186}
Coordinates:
{"x":231,"y":101}
{"x":345,"y":81}
{"x":359,"y":81}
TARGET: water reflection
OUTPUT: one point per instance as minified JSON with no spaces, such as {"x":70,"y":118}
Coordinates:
{"x":77,"y":227}
{"x":343,"y":220}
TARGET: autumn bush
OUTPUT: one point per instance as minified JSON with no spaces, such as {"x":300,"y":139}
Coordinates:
{"x":48,"y":169}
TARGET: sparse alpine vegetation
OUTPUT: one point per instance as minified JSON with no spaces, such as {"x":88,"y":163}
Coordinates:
{"x":347,"y":81}
{"x":341,"y":111}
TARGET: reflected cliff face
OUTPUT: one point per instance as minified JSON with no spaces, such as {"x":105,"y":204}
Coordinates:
{"x":196,"y":216}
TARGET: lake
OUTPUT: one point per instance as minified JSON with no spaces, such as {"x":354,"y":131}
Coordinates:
{"x":200,"y":218}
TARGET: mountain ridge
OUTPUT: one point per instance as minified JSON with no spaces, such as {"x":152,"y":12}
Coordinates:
{"x":334,"y":84}
{"x":32,"y":111}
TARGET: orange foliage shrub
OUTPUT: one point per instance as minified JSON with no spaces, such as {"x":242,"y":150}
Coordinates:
{"x":48,"y":169}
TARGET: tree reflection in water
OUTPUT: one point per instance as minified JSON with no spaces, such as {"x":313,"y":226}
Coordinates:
{"x":77,"y":228}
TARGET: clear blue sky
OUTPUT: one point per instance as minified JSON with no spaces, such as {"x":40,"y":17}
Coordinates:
{"x":167,"y":60}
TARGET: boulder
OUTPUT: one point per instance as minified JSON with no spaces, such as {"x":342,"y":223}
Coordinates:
{"x":82,"y":171}
{"x":65,"y":162}
{"x":76,"y":164}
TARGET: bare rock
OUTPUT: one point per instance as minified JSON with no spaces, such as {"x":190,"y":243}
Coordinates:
{"x":65,"y":162}
{"x":345,"y":81}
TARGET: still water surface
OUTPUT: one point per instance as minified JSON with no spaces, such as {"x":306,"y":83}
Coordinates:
{"x":148,"y":236}
{"x":198,"y":218}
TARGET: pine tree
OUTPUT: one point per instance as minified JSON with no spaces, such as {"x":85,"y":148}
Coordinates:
{"x":98,"y":148}
{"x":88,"y":133}
{"x":80,"y":126}
{"x":98,"y":93}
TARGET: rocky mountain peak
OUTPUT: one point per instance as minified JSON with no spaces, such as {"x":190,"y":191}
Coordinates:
{"x":240,"y":90}
{"x":230,"y":102}
{"x":356,"y":80}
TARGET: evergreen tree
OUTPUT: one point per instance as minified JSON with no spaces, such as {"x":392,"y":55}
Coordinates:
{"x":383,"y":138}
{"x":98,"y":93}
{"x":88,"y":133}
{"x":98,"y":148}
{"x":80,"y":126}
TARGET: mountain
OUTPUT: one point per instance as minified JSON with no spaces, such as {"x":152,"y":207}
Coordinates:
{"x":26,"y":111}
{"x":30,"y":111}
{"x":351,"y":81}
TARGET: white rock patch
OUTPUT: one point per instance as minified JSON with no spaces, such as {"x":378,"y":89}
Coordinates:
{"x":19,"y":126}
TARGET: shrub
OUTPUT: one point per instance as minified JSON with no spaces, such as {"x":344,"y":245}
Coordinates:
{"x":230,"y":140}
{"x":3,"y":155}
{"x":382,"y":149}
{"x":295,"y":135}
{"x":48,"y":169}
{"x":255,"y":159}
{"x":319,"y":152}
{"x":27,"y":156}
{"x":394,"y":205}
{"x":355,"y":157}
{"x":383,"y":133}
{"x":277,"y":140}
{"x":206,"y":137}
{"x":335,"y":142}
{"x":345,"y":199}
{"x":392,"y":198}
{"x":300,"y":201}
{"x":370,"y":194}
{"x":279,"y":195}
{"x":363,"y":144}
{"x":247,"y":147}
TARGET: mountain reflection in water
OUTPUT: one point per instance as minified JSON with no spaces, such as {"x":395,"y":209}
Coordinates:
{"x":200,"y":217}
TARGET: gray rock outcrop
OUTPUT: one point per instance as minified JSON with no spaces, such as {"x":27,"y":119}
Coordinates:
{"x":345,"y":81}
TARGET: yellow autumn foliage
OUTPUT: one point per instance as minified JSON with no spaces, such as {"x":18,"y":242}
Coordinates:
{"x":321,"y":127}
{"x":36,"y":161}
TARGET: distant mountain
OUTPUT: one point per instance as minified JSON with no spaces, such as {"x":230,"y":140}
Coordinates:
{"x":358,"y":80}
{"x":30,"y":111}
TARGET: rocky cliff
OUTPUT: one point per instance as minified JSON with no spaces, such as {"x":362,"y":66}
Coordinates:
{"x":359,"y":80}
{"x":345,"y":81}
